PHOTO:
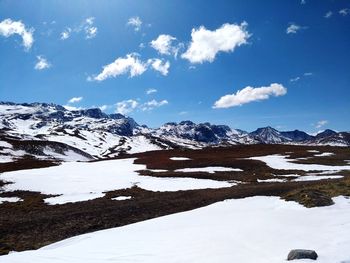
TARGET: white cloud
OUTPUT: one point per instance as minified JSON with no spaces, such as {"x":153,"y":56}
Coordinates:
{"x":206,"y":44}
{"x":65,"y":34}
{"x":183,"y":112}
{"x":72,"y":108}
{"x":150,"y":91}
{"x":163,"y":44}
{"x":306,"y":74}
{"x":126,"y":106}
{"x":159,"y":65}
{"x":328,"y":14}
{"x":42,"y":63}
{"x":150,"y":105}
{"x":91,"y":32}
{"x":250,"y":94}
{"x":130,"y":64}
{"x":344,"y":11}
{"x":86,"y":26}
{"x":321,"y":123}
{"x":293,"y":28}
{"x":103,"y":107}
{"x":294,"y":79}
{"x":9,"y":28}
{"x":135,"y":22}
{"x":75,"y":99}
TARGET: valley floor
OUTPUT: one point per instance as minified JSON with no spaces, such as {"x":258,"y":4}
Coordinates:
{"x":45,"y":205}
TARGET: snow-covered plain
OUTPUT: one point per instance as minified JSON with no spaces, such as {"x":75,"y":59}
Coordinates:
{"x":76,"y":181}
{"x":281,"y":162}
{"x":255,"y":229}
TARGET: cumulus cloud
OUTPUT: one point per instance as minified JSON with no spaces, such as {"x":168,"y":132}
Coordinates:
{"x":42,"y":63}
{"x":328,"y":14}
{"x":205,"y":44}
{"x":9,"y":27}
{"x":75,"y":99}
{"x":135,"y":22}
{"x":344,"y":11}
{"x":150,"y":91}
{"x":250,"y":94}
{"x":164,"y":45}
{"x":160,"y":65}
{"x":150,"y":105}
{"x":293,"y":28}
{"x":131,"y":64}
{"x":126,"y":106}
{"x":321,"y":123}
{"x":123,"y":65}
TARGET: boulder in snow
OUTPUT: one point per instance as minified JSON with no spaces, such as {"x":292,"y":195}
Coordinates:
{"x":302,"y":253}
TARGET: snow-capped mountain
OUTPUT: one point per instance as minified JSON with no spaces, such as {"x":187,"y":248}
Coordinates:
{"x":50,"y":131}
{"x":269,"y":135}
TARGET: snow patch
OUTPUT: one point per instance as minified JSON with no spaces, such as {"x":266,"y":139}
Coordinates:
{"x":10,"y":199}
{"x":323,"y":154}
{"x":121,"y":198}
{"x":179,"y":158}
{"x":281,"y":162}
{"x":210,"y":169}
{"x":77,"y":181}
{"x":317,"y":177}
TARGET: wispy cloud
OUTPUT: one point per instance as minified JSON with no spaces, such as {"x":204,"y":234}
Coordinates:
{"x":250,"y":94}
{"x":150,"y":105}
{"x":206,"y":44}
{"x":150,"y":91}
{"x":9,"y":27}
{"x":86,"y":26}
{"x":293,"y":28}
{"x":75,"y":99}
{"x":294,"y":79}
{"x":321,"y":123}
{"x":42,"y":63}
{"x":135,"y":22}
{"x":344,"y":11}
{"x":65,"y":34}
{"x":126,"y":106}
{"x":328,"y":14}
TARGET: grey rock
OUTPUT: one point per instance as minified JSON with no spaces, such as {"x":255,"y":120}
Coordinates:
{"x":302,"y":253}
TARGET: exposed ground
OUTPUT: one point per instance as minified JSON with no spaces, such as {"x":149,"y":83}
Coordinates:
{"x":31,"y":224}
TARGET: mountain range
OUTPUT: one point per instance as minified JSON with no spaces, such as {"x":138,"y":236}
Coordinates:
{"x":50,"y":131}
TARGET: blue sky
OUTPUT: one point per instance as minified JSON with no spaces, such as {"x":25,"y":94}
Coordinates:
{"x":281,"y":63}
